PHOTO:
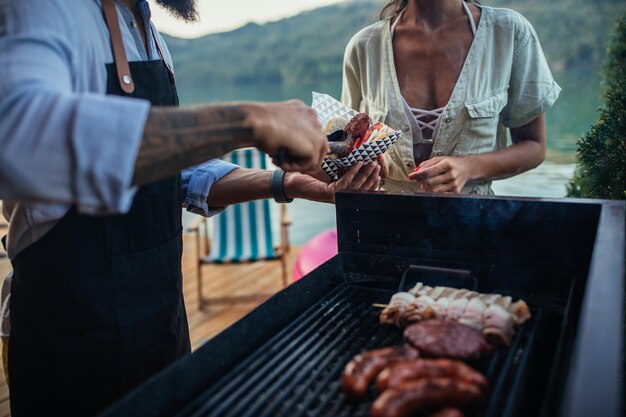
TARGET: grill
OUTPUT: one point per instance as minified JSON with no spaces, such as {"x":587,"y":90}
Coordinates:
{"x":301,"y":366}
{"x":564,"y":258}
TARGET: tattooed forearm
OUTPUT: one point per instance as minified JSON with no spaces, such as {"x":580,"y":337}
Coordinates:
{"x":178,"y":138}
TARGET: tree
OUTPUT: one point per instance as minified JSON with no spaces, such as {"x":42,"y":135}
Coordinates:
{"x":601,"y":156}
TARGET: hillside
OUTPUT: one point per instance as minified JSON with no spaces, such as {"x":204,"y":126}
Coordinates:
{"x":308,"y":48}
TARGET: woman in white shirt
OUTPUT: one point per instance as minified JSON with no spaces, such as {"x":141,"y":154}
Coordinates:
{"x":453,"y":77}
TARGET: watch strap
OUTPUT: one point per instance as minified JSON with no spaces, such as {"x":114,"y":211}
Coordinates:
{"x":277,"y":187}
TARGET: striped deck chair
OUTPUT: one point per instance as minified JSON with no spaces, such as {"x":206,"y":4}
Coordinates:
{"x":242,"y":233}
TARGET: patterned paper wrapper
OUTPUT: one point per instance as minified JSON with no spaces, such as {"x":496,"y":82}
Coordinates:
{"x":328,"y":108}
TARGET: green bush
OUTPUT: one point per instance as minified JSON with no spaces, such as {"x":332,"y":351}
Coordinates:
{"x":601,"y":156}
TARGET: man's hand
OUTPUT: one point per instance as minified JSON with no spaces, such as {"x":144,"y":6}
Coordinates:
{"x":360,"y":176}
{"x":291,"y":125}
{"x":442,"y":174}
{"x":176,"y":138}
{"x":243,"y":185}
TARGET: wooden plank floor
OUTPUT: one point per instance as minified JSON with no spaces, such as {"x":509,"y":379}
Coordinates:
{"x":232,"y":280}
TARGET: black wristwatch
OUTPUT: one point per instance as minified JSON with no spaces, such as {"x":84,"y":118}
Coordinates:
{"x":277,"y":187}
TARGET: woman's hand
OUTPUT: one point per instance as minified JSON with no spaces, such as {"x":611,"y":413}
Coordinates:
{"x":361,"y":176}
{"x":384,"y":166}
{"x":443,"y":174}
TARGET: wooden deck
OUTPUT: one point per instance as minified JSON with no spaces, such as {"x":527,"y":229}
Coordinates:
{"x":232,"y":280}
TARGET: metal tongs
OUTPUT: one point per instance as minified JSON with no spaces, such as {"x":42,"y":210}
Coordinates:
{"x":338,"y":144}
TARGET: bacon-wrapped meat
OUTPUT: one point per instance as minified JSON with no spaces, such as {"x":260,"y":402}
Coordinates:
{"x":439,"y":309}
{"x":473,"y":314}
{"x":493,"y":314}
{"x":418,"y":309}
{"x":499,"y":325}
{"x":520,"y":311}
{"x":397,"y":308}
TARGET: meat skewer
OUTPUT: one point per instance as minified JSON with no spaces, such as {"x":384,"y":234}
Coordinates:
{"x":473,"y":314}
{"x":457,"y":308}
{"x":493,"y":314}
{"x":396,"y":309}
{"x":498,"y":325}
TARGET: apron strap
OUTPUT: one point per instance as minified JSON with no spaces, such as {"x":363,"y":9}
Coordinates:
{"x":158,"y":45}
{"x":119,"y":53}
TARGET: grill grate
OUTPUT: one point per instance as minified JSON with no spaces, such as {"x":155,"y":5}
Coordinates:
{"x":297,"y":372}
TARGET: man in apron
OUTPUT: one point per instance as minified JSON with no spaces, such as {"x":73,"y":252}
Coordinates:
{"x":123,"y":270}
{"x":96,"y":300}
{"x":53,"y":56}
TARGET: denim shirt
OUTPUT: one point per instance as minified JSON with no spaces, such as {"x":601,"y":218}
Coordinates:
{"x":505,"y":83}
{"x":62,"y":139}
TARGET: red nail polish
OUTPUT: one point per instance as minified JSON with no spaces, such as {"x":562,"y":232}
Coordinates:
{"x":417,"y":169}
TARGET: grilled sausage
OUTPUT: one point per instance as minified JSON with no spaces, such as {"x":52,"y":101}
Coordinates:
{"x":361,"y":370}
{"x":401,"y":372}
{"x":414,"y":396}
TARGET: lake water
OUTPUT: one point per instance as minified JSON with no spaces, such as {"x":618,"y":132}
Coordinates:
{"x":567,"y":121}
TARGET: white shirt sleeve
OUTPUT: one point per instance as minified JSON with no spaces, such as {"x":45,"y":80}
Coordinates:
{"x":57,"y":145}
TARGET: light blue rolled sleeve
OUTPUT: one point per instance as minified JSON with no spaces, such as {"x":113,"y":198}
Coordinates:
{"x":197,"y":183}
{"x":60,"y":141}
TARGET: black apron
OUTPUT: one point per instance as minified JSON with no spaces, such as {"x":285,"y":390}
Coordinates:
{"x":97,"y":303}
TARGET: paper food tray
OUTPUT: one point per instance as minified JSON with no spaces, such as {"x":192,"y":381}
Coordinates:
{"x":328,"y":108}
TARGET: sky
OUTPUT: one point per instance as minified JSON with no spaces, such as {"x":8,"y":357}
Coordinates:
{"x":225,"y":15}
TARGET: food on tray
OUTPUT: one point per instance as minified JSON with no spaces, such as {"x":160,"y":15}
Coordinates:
{"x":428,"y":393}
{"x":494,"y":315}
{"x":399,"y":373}
{"x":335,"y":125}
{"x":357,"y":131}
{"x":358,"y":125}
{"x":440,"y":338}
{"x":362,"y":370}
{"x":352,"y":136}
